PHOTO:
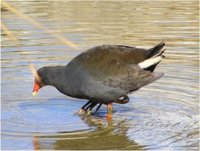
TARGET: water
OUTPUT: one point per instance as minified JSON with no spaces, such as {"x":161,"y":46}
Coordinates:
{"x":161,"y":116}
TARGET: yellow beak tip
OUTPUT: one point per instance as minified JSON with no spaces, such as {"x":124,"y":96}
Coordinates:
{"x":34,"y":93}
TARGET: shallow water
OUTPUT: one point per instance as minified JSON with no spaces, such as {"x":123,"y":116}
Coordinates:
{"x":162,"y":115}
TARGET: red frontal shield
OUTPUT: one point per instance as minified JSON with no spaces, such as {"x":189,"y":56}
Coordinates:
{"x":36,"y":88}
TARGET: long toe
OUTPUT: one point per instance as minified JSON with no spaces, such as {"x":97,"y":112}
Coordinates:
{"x":81,"y":112}
{"x":98,"y":107}
{"x":86,"y":105}
{"x":89,"y":112}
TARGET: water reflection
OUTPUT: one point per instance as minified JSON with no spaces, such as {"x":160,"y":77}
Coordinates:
{"x":105,"y":136}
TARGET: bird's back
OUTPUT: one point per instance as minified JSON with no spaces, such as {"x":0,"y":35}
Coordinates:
{"x":115,"y":67}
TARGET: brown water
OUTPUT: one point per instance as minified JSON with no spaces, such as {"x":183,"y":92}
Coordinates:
{"x":161,"y":116}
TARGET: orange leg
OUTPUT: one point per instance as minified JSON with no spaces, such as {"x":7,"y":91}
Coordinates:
{"x":109,"y":111}
{"x":35,"y":143}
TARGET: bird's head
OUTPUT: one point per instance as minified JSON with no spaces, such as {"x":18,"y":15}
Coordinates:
{"x":38,"y":80}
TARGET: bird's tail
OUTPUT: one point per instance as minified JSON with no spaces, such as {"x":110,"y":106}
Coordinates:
{"x":154,"y":56}
{"x":156,"y":51}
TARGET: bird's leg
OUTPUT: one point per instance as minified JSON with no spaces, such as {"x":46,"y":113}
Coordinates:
{"x":109,"y":111}
{"x":86,"y":108}
{"x":83,"y":107}
{"x":100,"y":104}
{"x":36,"y":143}
{"x":91,"y":107}
{"x":83,"y":110}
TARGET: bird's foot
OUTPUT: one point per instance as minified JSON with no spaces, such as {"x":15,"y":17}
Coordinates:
{"x":87,"y":108}
{"x":81,"y":112}
{"x":84,"y":112}
{"x":109,"y":117}
{"x":88,"y":112}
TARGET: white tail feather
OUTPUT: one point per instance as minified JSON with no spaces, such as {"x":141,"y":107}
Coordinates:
{"x":149,"y":62}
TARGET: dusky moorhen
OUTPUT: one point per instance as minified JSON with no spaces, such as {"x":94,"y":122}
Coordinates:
{"x":103,"y":74}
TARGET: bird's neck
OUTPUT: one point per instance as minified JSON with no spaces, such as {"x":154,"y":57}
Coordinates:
{"x":59,"y":77}
{"x":54,"y":75}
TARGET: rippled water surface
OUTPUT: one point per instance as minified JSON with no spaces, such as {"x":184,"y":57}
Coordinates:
{"x":162,"y":115}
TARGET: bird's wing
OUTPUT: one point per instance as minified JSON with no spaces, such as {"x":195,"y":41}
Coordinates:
{"x":126,"y":54}
{"x":113,"y":70}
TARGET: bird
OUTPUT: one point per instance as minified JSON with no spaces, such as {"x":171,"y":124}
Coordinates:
{"x":104,"y":74}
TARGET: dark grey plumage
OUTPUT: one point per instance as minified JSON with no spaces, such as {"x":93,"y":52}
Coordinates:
{"x":104,"y":74}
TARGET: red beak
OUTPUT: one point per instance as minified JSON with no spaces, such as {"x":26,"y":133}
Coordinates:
{"x":35,"y":88}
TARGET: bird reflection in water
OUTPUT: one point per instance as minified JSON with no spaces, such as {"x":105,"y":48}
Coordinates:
{"x":107,"y":132}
